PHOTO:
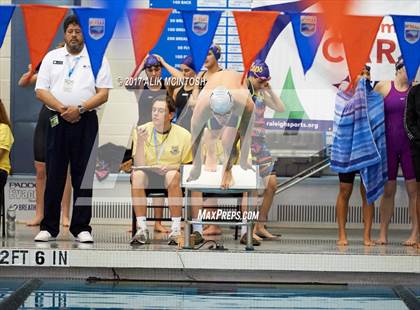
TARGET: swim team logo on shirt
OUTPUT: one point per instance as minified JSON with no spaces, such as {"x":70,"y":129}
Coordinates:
{"x":96,"y":28}
{"x":175,"y":150}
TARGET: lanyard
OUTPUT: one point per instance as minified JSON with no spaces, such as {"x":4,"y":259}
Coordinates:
{"x":71,"y":70}
{"x":158,"y":151}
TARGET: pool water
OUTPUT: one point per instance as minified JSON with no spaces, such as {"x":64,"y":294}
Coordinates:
{"x":139,"y":295}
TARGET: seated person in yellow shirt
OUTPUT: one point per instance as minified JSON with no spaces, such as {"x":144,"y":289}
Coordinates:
{"x":6,"y":141}
{"x":159,"y":148}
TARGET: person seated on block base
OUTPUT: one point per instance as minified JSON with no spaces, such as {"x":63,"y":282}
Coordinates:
{"x":159,"y":148}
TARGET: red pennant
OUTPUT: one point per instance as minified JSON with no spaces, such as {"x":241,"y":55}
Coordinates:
{"x":254,"y":30}
{"x":358,"y":34}
{"x":333,"y":11}
{"x":146,"y":27}
{"x":41,"y":25}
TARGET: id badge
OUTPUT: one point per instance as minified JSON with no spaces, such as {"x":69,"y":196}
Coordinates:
{"x":54,"y":121}
{"x":68,"y":85}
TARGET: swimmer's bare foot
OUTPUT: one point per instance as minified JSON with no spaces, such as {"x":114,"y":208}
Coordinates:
{"x":368,"y":242}
{"x":160,"y":228}
{"x":212,"y":230}
{"x":412,"y":240}
{"x":35,"y":222}
{"x":341,"y":242}
{"x":262,"y":232}
{"x":256,"y":237}
{"x":210,"y":167}
{"x":381,"y":241}
{"x":65,"y":222}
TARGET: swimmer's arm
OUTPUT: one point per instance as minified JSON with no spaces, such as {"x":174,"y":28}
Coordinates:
{"x":382,"y":88}
{"x":200,"y":117}
{"x":272,"y":101}
{"x":411,"y":118}
{"x":172,"y":70}
{"x":245,"y":129}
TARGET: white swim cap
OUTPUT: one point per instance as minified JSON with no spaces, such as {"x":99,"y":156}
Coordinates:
{"x":221,"y":100}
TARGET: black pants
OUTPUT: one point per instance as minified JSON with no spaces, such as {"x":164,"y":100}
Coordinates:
{"x":75,"y":144}
{"x":3,"y":179}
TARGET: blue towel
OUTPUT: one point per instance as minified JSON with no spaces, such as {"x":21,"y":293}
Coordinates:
{"x":359,"y":138}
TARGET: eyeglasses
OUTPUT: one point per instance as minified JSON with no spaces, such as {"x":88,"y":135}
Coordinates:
{"x":159,"y":110}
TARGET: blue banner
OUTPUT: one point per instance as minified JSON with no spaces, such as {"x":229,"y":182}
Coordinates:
{"x":6,"y":12}
{"x":308,"y":30}
{"x":281,"y":22}
{"x":98,"y":27}
{"x":407,"y":29}
{"x":200,"y":27}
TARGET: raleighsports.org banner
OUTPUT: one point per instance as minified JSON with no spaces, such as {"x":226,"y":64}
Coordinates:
{"x":310,"y":98}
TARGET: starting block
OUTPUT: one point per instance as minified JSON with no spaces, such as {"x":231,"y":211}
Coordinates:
{"x":244,"y":181}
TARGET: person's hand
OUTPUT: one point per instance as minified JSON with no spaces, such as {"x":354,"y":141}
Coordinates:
{"x":71,"y":114}
{"x":142,"y":134}
{"x":227,"y":180}
{"x":162,"y":169}
{"x":194,"y":173}
{"x":160,"y":58}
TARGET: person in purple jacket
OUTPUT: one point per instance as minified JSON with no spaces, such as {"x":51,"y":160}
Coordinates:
{"x":398,"y":152}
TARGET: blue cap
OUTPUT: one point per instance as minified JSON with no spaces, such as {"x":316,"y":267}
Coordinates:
{"x":188,"y":61}
{"x":259,"y":69}
{"x":152,"y":61}
{"x":216,"y":50}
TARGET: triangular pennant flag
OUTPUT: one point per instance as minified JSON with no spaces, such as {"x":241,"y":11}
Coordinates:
{"x":200,"y":27}
{"x":41,"y":24}
{"x":146,"y":27}
{"x":98,"y":27}
{"x":6,"y":12}
{"x":358,"y":34}
{"x":308,"y":30}
{"x":280,"y":23}
{"x":254,"y":28}
{"x":408,"y":34}
{"x":333,"y":11}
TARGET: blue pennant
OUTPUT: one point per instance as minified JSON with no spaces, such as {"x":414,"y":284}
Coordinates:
{"x":408,"y":34}
{"x":200,"y":27}
{"x":98,"y":27}
{"x":308,"y":30}
{"x":6,"y":12}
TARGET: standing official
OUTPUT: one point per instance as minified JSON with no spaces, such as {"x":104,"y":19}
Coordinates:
{"x":66,"y":85}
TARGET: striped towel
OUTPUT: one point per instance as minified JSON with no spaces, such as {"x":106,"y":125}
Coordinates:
{"x":359,"y":138}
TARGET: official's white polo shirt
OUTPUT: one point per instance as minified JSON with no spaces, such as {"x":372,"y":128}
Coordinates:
{"x":55,"y":69}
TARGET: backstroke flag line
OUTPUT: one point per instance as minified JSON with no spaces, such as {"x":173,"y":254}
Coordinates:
{"x":254,"y":28}
{"x":200,"y":27}
{"x":146,"y":27}
{"x":6,"y":12}
{"x":41,"y":24}
{"x":308,"y":30}
{"x":98,"y":27}
{"x":407,"y":29}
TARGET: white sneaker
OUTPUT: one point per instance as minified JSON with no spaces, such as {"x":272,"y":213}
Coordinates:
{"x":141,"y":237}
{"x":44,"y":236}
{"x":84,"y":237}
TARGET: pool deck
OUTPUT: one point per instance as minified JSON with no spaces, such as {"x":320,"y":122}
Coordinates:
{"x":299,"y":256}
